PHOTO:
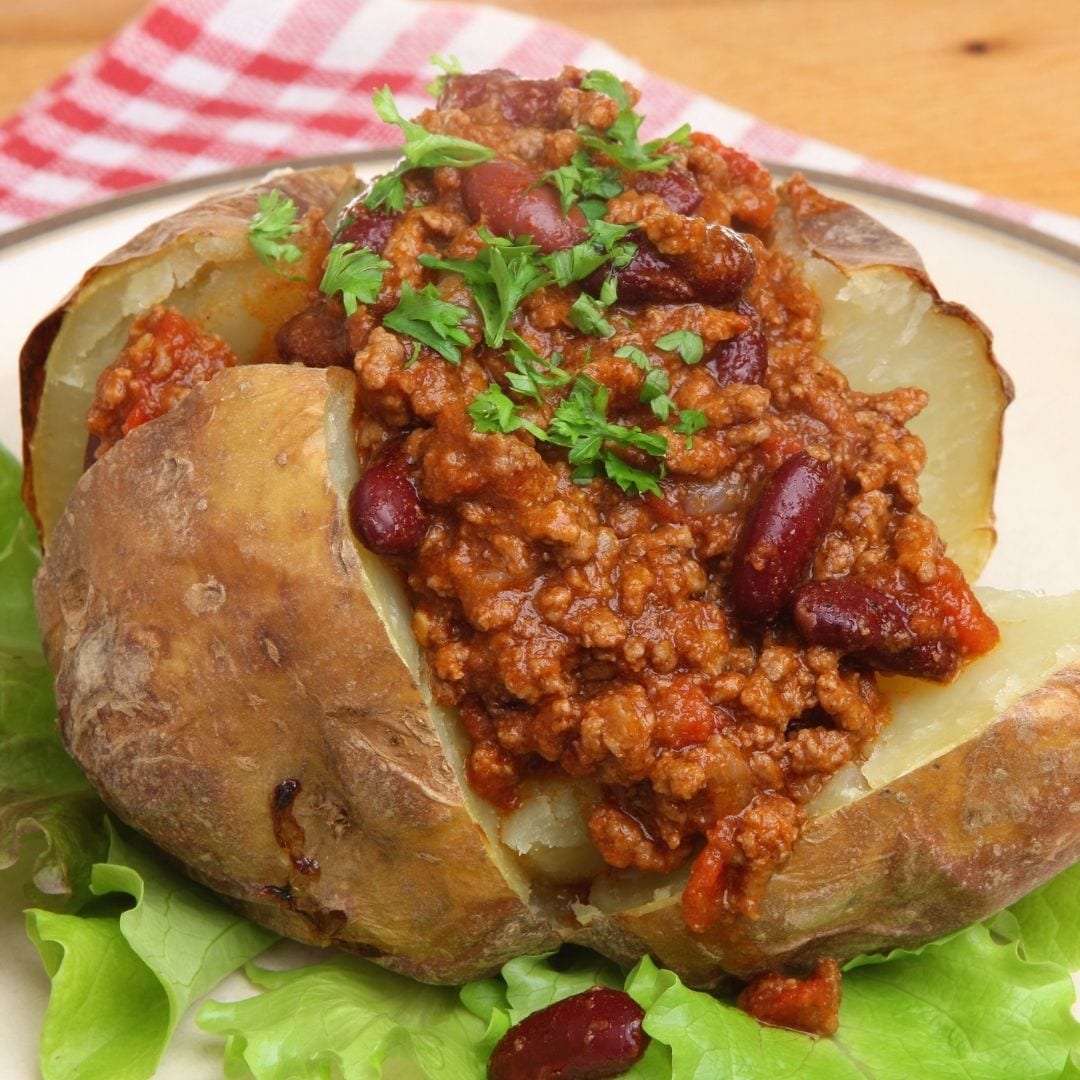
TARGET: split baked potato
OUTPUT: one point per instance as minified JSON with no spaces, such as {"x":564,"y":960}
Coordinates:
{"x":239,"y":677}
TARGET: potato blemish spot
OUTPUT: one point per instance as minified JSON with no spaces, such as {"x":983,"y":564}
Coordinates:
{"x":205,"y":597}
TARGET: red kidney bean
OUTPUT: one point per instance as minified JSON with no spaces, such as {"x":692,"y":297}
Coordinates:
{"x":674,"y":185}
{"x":530,"y":102}
{"x":588,"y":1036}
{"x":364,"y":228}
{"x":315,"y":337}
{"x":501,"y":195}
{"x":846,"y":614}
{"x":744,"y":358}
{"x":717,"y":273}
{"x":785,"y":528}
{"x":932,"y":659}
{"x":384,"y":508}
{"x":856,"y":618}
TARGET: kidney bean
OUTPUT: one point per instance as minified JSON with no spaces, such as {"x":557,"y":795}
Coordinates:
{"x":846,"y":614}
{"x":674,"y":185}
{"x":588,"y":1036}
{"x":315,"y":337}
{"x":501,"y":195}
{"x":784,"y":530}
{"x":384,"y":508}
{"x":856,"y":618}
{"x":930,"y":659}
{"x":717,"y":273}
{"x":364,"y":228}
{"x":530,"y":102}
{"x":744,"y":358}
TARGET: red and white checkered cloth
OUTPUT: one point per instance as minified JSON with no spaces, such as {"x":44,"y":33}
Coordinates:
{"x":201,"y":86}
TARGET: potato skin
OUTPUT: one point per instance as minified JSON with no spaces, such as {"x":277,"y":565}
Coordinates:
{"x":940,"y":847}
{"x":272,"y":297}
{"x":203,"y":605}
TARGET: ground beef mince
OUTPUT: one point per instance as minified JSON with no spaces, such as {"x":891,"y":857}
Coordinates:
{"x":165,"y":356}
{"x":652,"y":538}
{"x":665,"y":546}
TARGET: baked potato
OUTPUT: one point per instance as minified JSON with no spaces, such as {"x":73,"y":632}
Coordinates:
{"x":249,"y":682}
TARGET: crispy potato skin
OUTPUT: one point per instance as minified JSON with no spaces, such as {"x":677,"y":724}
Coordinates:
{"x":943,"y":846}
{"x":314,"y":191}
{"x":203,"y":606}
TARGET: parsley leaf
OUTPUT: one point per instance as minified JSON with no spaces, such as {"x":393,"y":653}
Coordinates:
{"x":357,"y":275}
{"x":607,"y":83}
{"x":631,"y":480}
{"x":532,"y":373}
{"x":426,"y":317}
{"x":636,"y":356}
{"x":580,"y":180}
{"x":606,"y":243}
{"x":588,"y":316}
{"x":271,"y":225}
{"x":580,"y":423}
{"x":620,"y":142}
{"x":685,"y":342}
{"x":500,"y":276}
{"x":654,"y":393}
{"x":492,"y":411}
{"x":448,"y":65}
{"x":691,"y":421}
{"x":423,"y":149}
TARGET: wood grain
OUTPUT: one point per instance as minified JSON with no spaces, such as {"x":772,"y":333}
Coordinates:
{"x":979,"y":92}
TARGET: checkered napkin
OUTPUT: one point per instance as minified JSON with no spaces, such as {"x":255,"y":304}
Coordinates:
{"x":201,"y":86}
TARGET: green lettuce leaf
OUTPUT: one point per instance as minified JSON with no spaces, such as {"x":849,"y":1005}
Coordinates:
{"x":347,"y":1018}
{"x":123,"y":979}
{"x":1046,"y":921}
{"x":970,"y":1007}
{"x":41,"y":790}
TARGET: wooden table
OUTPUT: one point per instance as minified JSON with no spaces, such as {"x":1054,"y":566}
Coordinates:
{"x":981,"y":92}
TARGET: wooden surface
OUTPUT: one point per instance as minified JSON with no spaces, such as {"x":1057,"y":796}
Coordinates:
{"x":981,"y":92}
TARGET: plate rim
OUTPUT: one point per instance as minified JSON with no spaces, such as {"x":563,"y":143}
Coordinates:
{"x":127,"y":200}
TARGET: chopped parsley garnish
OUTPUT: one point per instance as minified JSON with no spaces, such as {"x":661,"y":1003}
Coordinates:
{"x":588,"y":316}
{"x":580,"y":423}
{"x":426,"y":317}
{"x":581,"y":181}
{"x":448,"y":65}
{"x":533,"y":374}
{"x":492,"y":411}
{"x":654,"y":393}
{"x":637,"y":357}
{"x":422,"y":149}
{"x":356,"y":274}
{"x":605,"y":82}
{"x":606,"y":243}
{"x":620,"y":142}
{"x":269,"y":229}
{"x":685,"y":342}
{"x":691,"y":421}
{"x":500,"y":276}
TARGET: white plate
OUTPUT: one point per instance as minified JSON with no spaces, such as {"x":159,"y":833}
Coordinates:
{"x":1025,"y":287}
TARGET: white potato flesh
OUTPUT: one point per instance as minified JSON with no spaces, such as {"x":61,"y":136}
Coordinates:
{"x":882,"y":329}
